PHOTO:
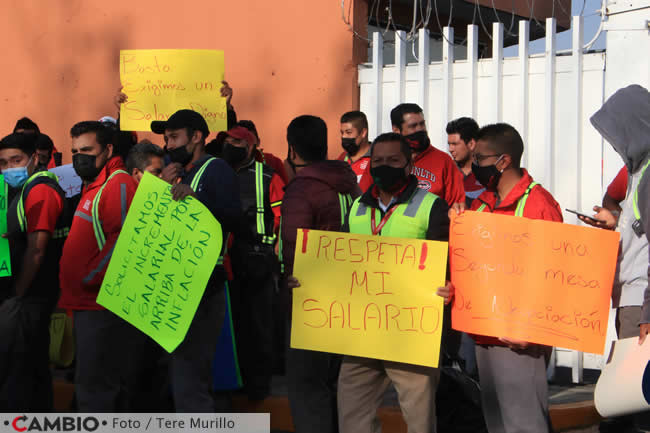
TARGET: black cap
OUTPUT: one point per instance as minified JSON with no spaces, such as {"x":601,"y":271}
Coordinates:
{"x":182,"y":119}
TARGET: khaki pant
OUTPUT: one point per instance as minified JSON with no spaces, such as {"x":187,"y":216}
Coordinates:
{"x":363,"y":382}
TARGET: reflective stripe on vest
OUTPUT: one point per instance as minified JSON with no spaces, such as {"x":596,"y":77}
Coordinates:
{"x":521,"y":204}
{"x":409,"y":220}
{"x":22,"y":220}
{"x":259,"y":202}
{"x":635,"y":199}
{"x":94,"y":212}
{"x":194,"y":185}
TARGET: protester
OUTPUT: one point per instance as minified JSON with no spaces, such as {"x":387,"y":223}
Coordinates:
{"x":315,"y":199}
{"x":394,"y":206}
{"x":254,"y":263}
{"x":145,"y":157}
{"x":606,"y":216}
{"x":36,"y":229}
{"x":514,"y":390}
{"x":435,"y":170}
{"x":624,"y":121}
{"x":354,"y":140}
{"x":103,"y":340}
{"x":27,"y":126}
{"x":193,"y":172}
{"x":460,"y":138}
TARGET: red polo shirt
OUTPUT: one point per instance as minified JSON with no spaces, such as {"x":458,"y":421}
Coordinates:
{"x":359,"y":166}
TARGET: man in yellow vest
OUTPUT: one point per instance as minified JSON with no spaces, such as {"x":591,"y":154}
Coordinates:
{"x":393,"y":206}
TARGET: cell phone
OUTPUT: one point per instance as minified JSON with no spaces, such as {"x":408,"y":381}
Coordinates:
{"x":589,"y":217}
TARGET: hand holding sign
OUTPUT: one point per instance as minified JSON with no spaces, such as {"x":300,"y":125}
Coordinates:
{"x":370,"y":296}
{"x":534,"y":281}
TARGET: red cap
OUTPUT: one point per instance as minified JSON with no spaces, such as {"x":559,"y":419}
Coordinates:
{"x":238,"y":132}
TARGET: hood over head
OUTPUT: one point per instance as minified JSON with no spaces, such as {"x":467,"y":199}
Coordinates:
{"x":624,"y":121}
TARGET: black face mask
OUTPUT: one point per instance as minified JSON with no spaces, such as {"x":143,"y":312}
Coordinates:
{"x":419,"y":141}
{"x":487,"y":176}
{"x":387,"y":178}
{"x":233,"y":155}
{"x":84,"y":166}
{"x":180,"y":155}
{"x":350,"y":145}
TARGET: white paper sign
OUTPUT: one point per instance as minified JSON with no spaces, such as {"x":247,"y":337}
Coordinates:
{"x":68,"y":179}
{"x":624,"y":385}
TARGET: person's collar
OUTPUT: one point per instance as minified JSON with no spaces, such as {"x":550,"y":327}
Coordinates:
{"x":371,"y":196}
{"x":198,"y":163}
{"x":490,"y":197}
{"x":424,"y":153}
{"x":113,"y":164}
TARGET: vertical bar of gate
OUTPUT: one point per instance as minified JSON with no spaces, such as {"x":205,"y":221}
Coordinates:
{"x":576,"y":60}
{"x":524,"y":51}
{"x":447,"y":78}
{"x":472,"y":60}
{"x":400,"y":65}
{"x":377,"y":77}
{"x":549,"y":105}
{"x":497,"y":70}
{"x":423,"y":71}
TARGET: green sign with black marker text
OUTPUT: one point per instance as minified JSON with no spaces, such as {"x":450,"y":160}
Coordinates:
{"x":5,"y":259}
{"x":161,"y":263}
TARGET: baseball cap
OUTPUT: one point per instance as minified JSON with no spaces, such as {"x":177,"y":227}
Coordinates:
{"x":238,"y":132}
{"x":182,"y":119}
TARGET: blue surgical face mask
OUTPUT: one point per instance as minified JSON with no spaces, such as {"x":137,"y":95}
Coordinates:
{"x":16,"y":176}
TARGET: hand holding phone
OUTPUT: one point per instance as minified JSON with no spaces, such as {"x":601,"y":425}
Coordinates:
{"x":584,"y":215}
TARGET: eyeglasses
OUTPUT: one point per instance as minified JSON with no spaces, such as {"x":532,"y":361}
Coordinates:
{"x":477,"y":157}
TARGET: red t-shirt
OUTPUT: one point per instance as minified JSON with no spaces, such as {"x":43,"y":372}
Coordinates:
{"x":618,"y":188}
{"x":473,"y":188}
{"x":436,"y":173}
{"x":359,"y":166}
{"x":43,"y":205}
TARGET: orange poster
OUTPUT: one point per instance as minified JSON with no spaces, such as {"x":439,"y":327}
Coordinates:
{"x":532,"y":280}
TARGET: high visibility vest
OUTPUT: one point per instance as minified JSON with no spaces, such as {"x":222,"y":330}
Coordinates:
{"x":409,"y":220}
{"x":94,"y":213}
{"x":195,"y":185}
{"x":345,"y":201}
{"x":521,"y":204}
{"x":59,"y":232}
{"x":259,"y":204}
{"x":637,"y":226}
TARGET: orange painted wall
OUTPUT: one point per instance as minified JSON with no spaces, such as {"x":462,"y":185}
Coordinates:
{"x":283,"y":58}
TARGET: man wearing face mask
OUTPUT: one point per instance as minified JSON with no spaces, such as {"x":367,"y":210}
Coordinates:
{"x":36,"y":231}
{"x":435,"y":170}
{"x":253,"y":262}
{"x":394,"y":206}
{"x":354,"y":140}
{"x":102,"y":338}
{"x":210,"y":180}
{"x":514,"y":390}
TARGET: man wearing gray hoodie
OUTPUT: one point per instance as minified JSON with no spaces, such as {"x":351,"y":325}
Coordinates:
{"x":624,"y":121}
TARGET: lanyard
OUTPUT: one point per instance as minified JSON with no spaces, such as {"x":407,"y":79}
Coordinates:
{"x":382,"y":223}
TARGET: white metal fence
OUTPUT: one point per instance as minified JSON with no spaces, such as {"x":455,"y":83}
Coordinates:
{"x":548,"y":98}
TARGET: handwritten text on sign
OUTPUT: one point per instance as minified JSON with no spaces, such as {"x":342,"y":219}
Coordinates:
{"x":161,"y":264}
{"x":369,"y":296}
{"x":160,"y":82}
{"x":533,"y":280}
{"x":5,"y":256}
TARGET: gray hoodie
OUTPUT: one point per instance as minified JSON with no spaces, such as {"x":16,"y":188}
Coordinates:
{"x":624,"y":121}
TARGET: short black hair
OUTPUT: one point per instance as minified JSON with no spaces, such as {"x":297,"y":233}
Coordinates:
{"x":103,"y":134}
{"x":466,"y":127}
{"x":503,"y":139}
{"x":248,"y":124}
{"x":26,"y":123}
{"x":307,"y":135}
{"x":44,"y":142}
{"x":397,"y":113}
{"x":123,"y":142}
{"x":357,"y":118}
{"x":140,"y":155}
{"x":393,"y":136}
{"x":20,"y":141}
